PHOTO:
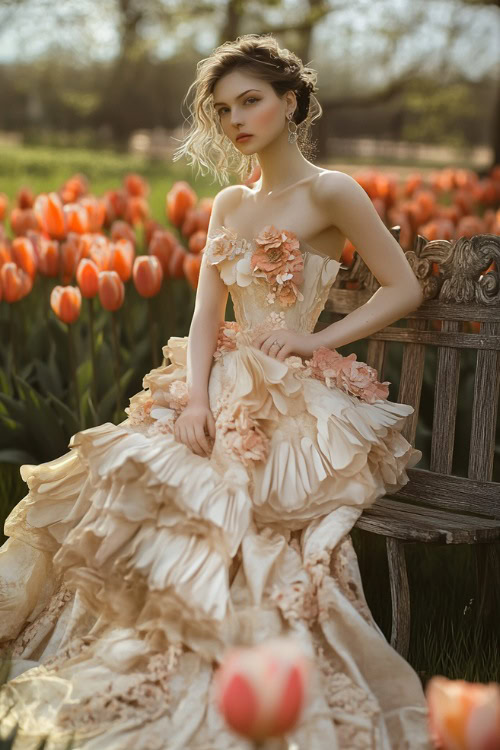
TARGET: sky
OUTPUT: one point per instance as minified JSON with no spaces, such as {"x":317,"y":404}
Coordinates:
{"x":347,"y":32}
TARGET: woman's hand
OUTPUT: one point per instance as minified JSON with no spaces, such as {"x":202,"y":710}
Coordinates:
{"x":192,"y":427}
{"x":282,"y":343}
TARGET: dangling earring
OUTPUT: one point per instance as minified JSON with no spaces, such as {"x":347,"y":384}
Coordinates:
{"x":292,"y":131}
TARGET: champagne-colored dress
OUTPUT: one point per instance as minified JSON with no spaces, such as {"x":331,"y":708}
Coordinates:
{"x":133,"y":563}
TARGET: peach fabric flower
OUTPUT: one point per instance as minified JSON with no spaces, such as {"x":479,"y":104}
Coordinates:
{"x":277,"y":258}
{"x":242,"y":436}
{"x":226,"y":340}
{"x":346,"y":373}
{"x":225,"y":245}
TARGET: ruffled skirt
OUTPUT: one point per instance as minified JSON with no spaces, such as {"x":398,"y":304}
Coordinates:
{"x":133,"y":563}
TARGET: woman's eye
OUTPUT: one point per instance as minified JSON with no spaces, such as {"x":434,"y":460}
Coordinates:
{"x":250,"y":99}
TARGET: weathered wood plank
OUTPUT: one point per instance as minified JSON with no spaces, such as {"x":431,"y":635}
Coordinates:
{"x":484,"y":410}
{"x":445,"y":404}
{"x":450,"y":492}
{"x":410,"y":384}
{"x":344,"y":301}
{"x":400,"y":596}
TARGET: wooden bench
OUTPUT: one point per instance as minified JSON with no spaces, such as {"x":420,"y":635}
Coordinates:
{"x":437,"y":506}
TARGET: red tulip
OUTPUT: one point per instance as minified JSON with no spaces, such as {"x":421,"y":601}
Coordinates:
{"x":111,"y":290}
{"x":77,"y":219}
{"x":162,"y":246}
{"x":261,"y":691}
{"x":179,"y":199}
{"x":16,"y":283}
{"x":148,"y":275}
{"x":463,"y":715}
{"x":4,"y":202}
{"x":25,"y":198}
{"x":23,"y":219}
{"x":49,"y":258}
{"x":50,"y":214}
{"x":191,"y":267}
{"x":66,"y":302}
{"x":23,"y":254}
{"x":136,"y":185}
{"x":176,"y":263}
{"x":122,"y":255}
{"x":87,"y":277}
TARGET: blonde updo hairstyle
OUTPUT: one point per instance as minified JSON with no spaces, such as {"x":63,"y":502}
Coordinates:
{"x":205,"y":144}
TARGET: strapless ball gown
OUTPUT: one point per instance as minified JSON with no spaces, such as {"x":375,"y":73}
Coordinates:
{"x":133,"y":563}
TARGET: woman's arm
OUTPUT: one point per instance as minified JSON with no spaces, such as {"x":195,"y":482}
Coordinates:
{"x":353,"y":213}
{"x":209,"y":311}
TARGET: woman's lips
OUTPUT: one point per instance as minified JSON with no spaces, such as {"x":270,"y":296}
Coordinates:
{"x":243,"y":138}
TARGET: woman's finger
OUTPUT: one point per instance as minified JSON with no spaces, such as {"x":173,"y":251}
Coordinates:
{"x":202,"y":439}
{"x":193,"y":442}
{"x":211,"y":425}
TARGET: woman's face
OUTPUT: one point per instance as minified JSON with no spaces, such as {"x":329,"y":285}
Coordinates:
{"x":246,"y":104}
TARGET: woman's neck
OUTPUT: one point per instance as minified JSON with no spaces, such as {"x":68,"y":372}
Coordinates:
{"x":281,"y":164}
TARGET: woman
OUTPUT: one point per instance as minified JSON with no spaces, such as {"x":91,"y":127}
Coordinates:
{"x":219,"y":512}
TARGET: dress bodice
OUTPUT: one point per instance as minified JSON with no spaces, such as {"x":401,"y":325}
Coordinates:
{"x":275,"y":280}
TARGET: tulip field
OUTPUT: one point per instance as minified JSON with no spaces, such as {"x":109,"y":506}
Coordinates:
{"x":96,"y":274}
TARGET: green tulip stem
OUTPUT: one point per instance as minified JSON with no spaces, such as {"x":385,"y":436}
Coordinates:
{"x":12,"y":330}
{"x":167,"y":295}
{"x":90,"y":305}
{"x":153,"y":333}
{"x":116,"y":359}
{"x":72,"y":364}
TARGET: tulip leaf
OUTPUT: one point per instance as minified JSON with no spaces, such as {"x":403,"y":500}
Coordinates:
{"x":84,"y":375}
{"x":107,"y":404}
{"x":46,"y":431}
{"x":48,"y":377}
{"x":66,"y":415}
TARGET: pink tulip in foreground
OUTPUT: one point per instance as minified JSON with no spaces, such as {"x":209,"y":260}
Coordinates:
{"x":261,"y":691}
{"x":463,"y":715}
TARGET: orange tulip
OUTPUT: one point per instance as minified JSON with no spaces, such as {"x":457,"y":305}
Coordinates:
{"x":5,"y":254}
{"x":179,"y":199}
{"x":115,"y":202}
{"x":77,"y":219}
{"x":23,"y":254}
{"x":25,"y":198}
{"x":100,"y":252}
{"x":50,"y":214}
{"x":468,"y":226}
{"x":136,"y":185}
{"x":120,"y":230}
{"x":66,"y":302}
{"x":195,"y":219}
{"x":87,"y":278}
{"x":162,"y":245}
{"x":49,"y":258}
{"x":148,"y":275}
{"x":71,"y":253}
{"x":22,"y":219}
{"x":74,"y":188}
{"x":4,"y":202}
{"x":191,"y":268}
{"x":368,"y":181}
{"x":96,"y":212}
{"x":413,"y":181}
{"x":150,"y":227}
{"x":121,"y":258}
{"x":176,"y":263}
{"x":463,"y":715}
{"x":197,"y":241}
{"x":111,"y":290}
{"x":16,"y":283}
{"x":261,"y":691}
{"x":137,"y":210}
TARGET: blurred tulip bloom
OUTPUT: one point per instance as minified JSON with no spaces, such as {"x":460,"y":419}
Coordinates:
{"x":191,"y":267}
{"x":23,"y":219}
{"x":48,"y":260}
{"x":148,"y":275}
{"x":16,"y":283}
{"x":23,"y":254}
{"x":96,"y":212}
{"x":137,"y":210}
{"x":66,"y":302}
{"x":5,"y":254}
{"x":180,"y":198}
{"x":4,"y":202}
{"x":162,"y":245}
{"x":87,"y":277}
{"x":136,"y":185}
{"x":50,"y":215}
{"x":76,"y":218}
{"x":122,"y":258}
{"x":74,"y":188}
{"x":261,"y":691}
{"x":176,"y":263}
{"x":71,"y":252}
{"x":120,"y":230}
{"x":111,"y":290}
{"x":25,"y":198}
{"x":463,"y":715}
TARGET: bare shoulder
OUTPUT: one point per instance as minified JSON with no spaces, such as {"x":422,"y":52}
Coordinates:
{"x":332,"y":185}
{"x":228,"y":198}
